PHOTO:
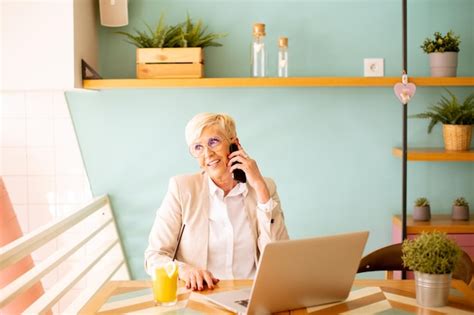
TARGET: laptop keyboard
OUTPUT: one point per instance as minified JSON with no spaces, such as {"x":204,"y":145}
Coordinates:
{"x":244,"y":303}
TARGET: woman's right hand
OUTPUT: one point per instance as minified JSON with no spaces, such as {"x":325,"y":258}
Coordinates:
{"x":196,"y":279}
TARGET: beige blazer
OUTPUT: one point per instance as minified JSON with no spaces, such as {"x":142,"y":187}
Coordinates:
{"x":187,"y":202}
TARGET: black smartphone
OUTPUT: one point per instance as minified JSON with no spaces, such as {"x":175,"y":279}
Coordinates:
{"x":238,"y":175}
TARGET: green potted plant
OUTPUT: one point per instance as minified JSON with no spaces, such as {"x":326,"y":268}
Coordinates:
{"x":443,"y":53}
{"x":432,"y":256}
{"x":457,"y":120}
{"x":421,"y":209}
{"x":460,"y":209}
{"x":172,"y":51}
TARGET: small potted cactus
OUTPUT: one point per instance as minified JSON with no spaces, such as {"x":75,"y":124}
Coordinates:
{"x":460,"y":209}
{"x":421,"y":209}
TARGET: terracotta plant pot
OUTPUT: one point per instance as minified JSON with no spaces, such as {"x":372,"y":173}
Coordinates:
{"x":460,"y":213}
{"x":422,"y":213}
{"x":443,"y":64}
{"x":457,"y":137}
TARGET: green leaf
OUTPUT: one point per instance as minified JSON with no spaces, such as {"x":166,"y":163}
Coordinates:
{"x":449,"y":111}
{"x":440,"y":43}
{"x":431,"y":252}
{"x":185,"y":34}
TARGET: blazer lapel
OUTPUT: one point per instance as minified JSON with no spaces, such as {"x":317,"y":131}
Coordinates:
{"x":250,"y":206}
{"x":204,"y":219}
{"x":196,"y":218}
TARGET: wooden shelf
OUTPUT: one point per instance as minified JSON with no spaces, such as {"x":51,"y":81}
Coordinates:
{"x":435,"y":154}
{"x":438,"y":222}
{"x":273,"y":82}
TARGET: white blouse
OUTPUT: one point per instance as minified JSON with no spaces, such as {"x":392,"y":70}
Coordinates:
{"x":231,"y":250}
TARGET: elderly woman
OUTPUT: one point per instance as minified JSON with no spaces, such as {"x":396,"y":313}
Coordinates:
{"x":228,"y":223}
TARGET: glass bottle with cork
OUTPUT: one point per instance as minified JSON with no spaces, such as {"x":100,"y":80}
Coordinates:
{"x":258,"y":58}
{"x":283,"y":57}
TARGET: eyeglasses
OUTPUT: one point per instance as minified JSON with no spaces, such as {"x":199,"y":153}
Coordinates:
{"x":213,"y":143}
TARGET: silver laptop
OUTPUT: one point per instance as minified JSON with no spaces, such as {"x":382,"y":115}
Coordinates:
{"x":299,"y":273}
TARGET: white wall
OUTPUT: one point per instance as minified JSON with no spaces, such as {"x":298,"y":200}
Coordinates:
{"x":86,"y":40}
{"x":43,"y":42}
{"x":40,"y":160}
{"x":41,"y":165}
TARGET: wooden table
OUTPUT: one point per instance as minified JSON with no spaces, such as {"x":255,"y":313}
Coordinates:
{"x":367,"y":297}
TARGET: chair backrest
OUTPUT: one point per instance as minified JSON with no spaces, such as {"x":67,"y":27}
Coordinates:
{"x":464,"y":268}
{"x":389,"y":258}
{"x":97,"y":218}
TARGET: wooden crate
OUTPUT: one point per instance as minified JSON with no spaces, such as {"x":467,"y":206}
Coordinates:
{"x":159,"y":63}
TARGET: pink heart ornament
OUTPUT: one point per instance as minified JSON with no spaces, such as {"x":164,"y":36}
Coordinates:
{"x":404,"y":92}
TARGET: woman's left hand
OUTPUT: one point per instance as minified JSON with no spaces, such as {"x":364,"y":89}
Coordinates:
{"x":250,"y":167}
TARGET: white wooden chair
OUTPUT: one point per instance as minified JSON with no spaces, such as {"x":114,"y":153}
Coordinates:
{"x":98,"y":217}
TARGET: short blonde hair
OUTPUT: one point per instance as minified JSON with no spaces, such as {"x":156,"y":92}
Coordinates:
{"x":196,"y":125}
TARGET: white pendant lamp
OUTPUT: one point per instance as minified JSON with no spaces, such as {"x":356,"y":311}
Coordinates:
{"x":113,"y":13}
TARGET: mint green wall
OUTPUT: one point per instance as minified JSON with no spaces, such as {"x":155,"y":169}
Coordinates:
{"x":329,"y":149}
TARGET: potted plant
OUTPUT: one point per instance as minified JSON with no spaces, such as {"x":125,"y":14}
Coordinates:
{"x":443,"y":53}
{"x":460,"y":209}
{"x":432,"y":256}
{"x":174,"y":51}
{"x":457,"y":120}
{"x":422,"y":210}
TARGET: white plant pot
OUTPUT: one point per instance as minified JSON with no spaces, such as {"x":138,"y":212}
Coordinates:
{"x":443,"y":64}
{"x":432,"y":290}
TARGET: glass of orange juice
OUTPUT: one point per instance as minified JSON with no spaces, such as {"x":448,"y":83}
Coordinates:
{"x":165,"y":283}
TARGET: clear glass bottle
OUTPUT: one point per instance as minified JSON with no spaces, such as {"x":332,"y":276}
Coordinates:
{"x":259,"y":57}
{"x":283,"y":57}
